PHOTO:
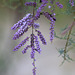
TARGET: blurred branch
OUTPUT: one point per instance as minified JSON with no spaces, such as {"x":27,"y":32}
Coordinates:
{"x":69,"y":27}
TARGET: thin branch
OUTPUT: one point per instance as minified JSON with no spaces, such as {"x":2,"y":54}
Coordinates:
{"x":68,"y":40}
{"x":69,"y":27}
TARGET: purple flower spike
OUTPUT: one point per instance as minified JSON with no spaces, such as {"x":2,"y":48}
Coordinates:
{"x":36,"y":25}
{"x":37,"y":44}
{"x":22,"y":21}
{"x":19,"y":33}
{"x":52,"y":30}
{"x":34,"y":71}
{"x":21,"y":44}
{"x":24,"y":51}
{"x":41,"y":37}
{"x":32,"y":46}
{"x":32,"y":40}
{"x":52,"y":35}
{"x":30,"y":4}
{"x":47,"y":15}
{"x":44,"y":3}
{"x":71,"y":2}
{"x":32,"y":52}
{"x":59,"y":5}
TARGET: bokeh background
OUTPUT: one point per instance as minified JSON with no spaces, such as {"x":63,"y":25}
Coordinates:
{"x":16,"y":63}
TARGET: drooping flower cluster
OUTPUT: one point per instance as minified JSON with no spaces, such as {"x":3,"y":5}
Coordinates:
{"x":71,"y":2}
{"x":41,"y":37}
{"x":29,"y":22}
{"x":22,"y":21}
{"x":37,"y":44}
{"x":26,"y":23}
{"x":52,"y":30}
{"x":30,"y":4}
{"x":24,"y":26}
{"x":52,"y":22}
{"x":44,"y":3}
{"x":25,"y":49}
{"x":59,"y":5}
{"x":51,"y":17}
{"x":21,"y":44}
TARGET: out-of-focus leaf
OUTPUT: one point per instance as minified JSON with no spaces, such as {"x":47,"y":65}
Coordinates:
{"x":69,"y":58}
{"x":61,"y":51}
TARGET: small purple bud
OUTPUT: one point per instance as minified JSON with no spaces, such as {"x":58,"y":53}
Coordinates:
{"x":49,"y":6}
{"x":36,"y":25}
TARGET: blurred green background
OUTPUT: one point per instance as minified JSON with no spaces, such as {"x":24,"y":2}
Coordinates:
{"x":15,"y":63}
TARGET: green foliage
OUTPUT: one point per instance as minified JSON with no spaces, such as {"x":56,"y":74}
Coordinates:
{"x":68,"y":58}
{"x":69,"y":43}
{"x":14,"y":4}
{"x":71,"y":40}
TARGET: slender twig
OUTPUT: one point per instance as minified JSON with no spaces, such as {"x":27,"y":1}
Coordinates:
{"x":69,"y":27}
{"x":33,"y":36}
{"x":68,"y":40}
